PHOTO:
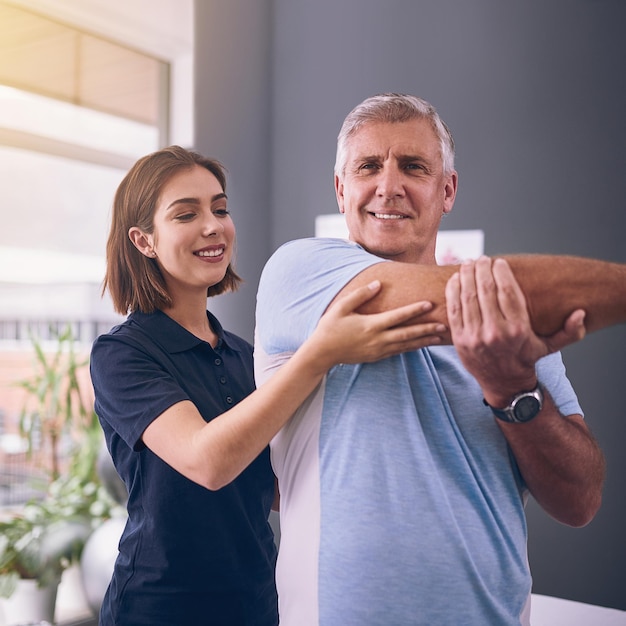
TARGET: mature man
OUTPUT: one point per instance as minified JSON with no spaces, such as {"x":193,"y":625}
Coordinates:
{"x":403,"y":482}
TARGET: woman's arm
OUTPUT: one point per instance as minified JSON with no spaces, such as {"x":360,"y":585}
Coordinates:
{"x":213,"y":454}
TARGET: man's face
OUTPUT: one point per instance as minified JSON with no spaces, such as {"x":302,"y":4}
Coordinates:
{"x":393,"y":191}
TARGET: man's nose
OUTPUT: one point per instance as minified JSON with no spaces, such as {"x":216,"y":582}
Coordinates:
{"x":390,"y":183}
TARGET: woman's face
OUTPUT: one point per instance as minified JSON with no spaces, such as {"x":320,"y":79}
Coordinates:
{"x":194,"y":235}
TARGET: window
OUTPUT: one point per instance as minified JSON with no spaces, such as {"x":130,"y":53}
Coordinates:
{"x":76,"y":111}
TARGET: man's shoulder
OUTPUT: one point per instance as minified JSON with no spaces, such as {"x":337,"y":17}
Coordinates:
{"x":315,"y":243}
{"x":298,"y":283}
{"x":313,"y":251}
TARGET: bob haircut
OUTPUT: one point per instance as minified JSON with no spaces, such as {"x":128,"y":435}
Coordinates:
{"x":394,"y":108}
{"x":134,"y":281}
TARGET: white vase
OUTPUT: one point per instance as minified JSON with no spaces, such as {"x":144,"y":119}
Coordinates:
{"x":98,"y":560}
{"x":30,"y":603}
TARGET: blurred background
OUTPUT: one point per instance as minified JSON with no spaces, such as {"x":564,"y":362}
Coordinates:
{"x":534,"y":93}
{"x":86,"y":88}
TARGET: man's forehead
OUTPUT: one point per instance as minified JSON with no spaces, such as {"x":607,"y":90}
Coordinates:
{"x":415,"y":137}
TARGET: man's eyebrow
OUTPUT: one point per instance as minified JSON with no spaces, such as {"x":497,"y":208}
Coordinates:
{"x":364,"y":158}
{"x":193,"y":200}
{"x":401,"y":157}
{"x":412,"y":157}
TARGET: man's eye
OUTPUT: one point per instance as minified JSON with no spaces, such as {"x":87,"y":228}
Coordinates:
{"x":368,"y":166}
{"x":416,"y":168}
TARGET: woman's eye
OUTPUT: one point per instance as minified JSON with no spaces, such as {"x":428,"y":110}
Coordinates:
{"x":222,"y":212}
{"x":185,"y":217}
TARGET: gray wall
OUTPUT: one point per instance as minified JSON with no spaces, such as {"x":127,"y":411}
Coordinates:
{"x":535,"y":94}
{"x":232,"y":120}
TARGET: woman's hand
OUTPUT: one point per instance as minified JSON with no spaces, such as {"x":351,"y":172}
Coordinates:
{"x":345,"y":336}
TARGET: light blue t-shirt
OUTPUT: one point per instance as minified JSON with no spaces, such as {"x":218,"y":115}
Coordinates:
{"x":401,"y":502}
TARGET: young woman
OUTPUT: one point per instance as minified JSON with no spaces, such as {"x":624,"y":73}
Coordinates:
{"x":175,"y":395}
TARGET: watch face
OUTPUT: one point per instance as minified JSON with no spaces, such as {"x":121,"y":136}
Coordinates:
{"x":526,"y":408}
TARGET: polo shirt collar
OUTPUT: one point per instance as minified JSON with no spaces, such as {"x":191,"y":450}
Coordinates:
{"x":172,"y":336}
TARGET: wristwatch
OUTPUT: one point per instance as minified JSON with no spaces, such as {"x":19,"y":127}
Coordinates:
{"x":524,"y":406}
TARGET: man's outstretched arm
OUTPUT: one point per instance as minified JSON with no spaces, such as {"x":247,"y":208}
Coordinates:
{"x":554,"y":287}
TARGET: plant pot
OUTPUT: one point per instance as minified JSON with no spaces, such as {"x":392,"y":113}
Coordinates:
{"x":30,"y":603}
{"x":98,"y":560}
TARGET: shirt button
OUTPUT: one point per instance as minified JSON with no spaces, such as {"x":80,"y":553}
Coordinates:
{"x":229,"y":400}
{"x":218,"y":361}
{"x":223,"y":380}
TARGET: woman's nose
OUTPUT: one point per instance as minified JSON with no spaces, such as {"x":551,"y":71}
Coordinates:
{"x":212,"y":226}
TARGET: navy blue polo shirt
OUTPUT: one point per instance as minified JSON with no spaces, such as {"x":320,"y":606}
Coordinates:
{"x":188,"y":556}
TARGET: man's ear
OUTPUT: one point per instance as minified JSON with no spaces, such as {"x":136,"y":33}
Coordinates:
{"x":142,"y":241}
{"x":449,"y":192}
{"x":339,"y":194}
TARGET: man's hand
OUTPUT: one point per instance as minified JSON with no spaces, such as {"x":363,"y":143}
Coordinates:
{"x":491,"y":329}
{"x":560,"y":461}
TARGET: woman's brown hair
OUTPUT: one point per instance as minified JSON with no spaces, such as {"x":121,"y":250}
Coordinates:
{"x":135,"y":281}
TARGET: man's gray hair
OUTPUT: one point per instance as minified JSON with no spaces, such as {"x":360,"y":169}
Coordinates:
{"x":393,"y":107}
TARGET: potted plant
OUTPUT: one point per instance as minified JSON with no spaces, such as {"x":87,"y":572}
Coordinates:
{"x":55,"y":415}
{"x":36,"y":545}
{"x":41,"y":539}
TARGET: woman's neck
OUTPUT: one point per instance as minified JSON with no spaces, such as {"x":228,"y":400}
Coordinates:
{"x":194,"y":318}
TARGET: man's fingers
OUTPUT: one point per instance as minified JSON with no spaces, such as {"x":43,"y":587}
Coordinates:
{"x":573,"y":330}
{"x":511,"y":298}
{"x":453,"y":302}
{"x":470,"y":304}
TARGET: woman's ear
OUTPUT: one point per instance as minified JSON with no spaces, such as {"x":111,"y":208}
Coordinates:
{"x":143,"y":242}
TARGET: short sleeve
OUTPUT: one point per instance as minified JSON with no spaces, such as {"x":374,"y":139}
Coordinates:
{"x":131,"y":386}
{"x":298,"y":283}
{"x":551,"y":372}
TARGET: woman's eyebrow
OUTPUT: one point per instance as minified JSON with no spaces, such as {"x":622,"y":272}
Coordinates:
{"x":193,"y":200}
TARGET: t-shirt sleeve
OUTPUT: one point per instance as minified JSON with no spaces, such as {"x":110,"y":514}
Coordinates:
{"x":551,"y":372}
{"x":131,"y":385}
{"x":298,"y":283}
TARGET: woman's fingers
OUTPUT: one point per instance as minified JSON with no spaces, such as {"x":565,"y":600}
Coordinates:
{"x":386,"y":319}
{"x":370,"y":337}
{"x":356,"y":298}
{"x":405,"y":339}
